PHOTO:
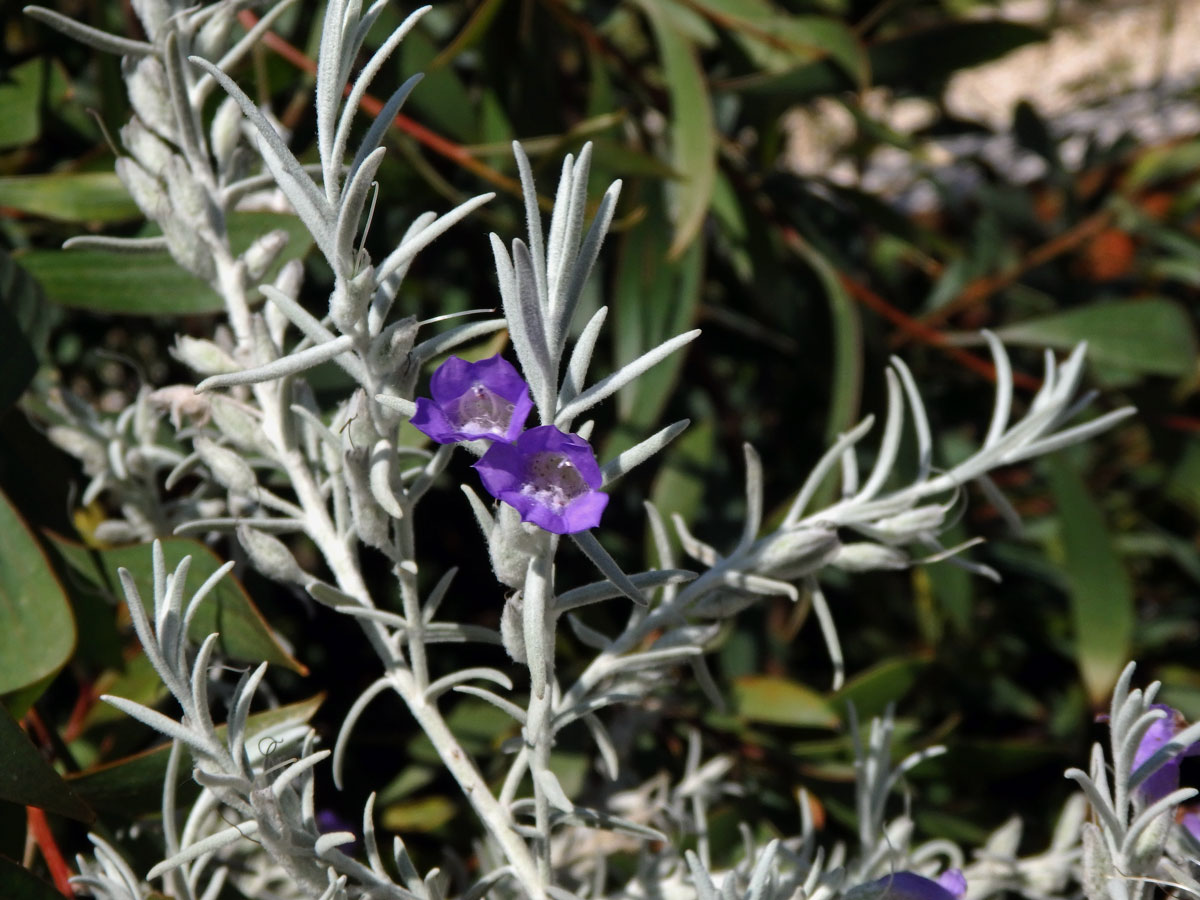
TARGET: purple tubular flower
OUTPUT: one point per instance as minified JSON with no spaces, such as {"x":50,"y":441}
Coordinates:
{"x":1157,"y":736}
{"x":950,"y":885}
{"x":549,"y":477}
{"x":1189,"y":818}
{"x":486,"y":400}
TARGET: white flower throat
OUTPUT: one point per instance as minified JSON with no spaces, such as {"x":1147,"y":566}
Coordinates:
{"x":481,"y":410}
{"x":553,"y":481}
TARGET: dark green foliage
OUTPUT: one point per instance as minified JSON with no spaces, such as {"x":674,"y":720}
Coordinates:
{"x":803,"y":286}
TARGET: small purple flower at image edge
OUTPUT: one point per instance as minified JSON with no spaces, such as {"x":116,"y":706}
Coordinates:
{"x":485,"y":400}
{"x":950,"y":885}
{"x":1157,"y":736}
{"x":550,"y":477}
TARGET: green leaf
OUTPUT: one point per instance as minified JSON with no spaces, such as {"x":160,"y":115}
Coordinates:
{"x":20,"y":361}
{"x":70,"y":197}
{"x":28,"y":780}
{"x":1099,"y":586}
{"x":422,"y":815}
{"x":778,"y":42}
{"x":227,"y":610}
{"x":679,"y":485}
{"x":37,"y":630}
{"x":919,"y":60}
{"x":655,"y":298}
{"x":780,"y":701}
{"x":693,"y":129}
{"x":1152,"y":336}
{"x":847,"y":345}
{"x":27,"y":305}
{"x":133,"y":785}
{"x":21,"y":884}
{"x":886,"y":682}
{"x":151,"y":284}
{"x":20,"y":104}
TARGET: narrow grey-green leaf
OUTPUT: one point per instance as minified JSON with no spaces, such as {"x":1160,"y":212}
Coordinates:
{"x":1153,"y":336}
{"x":37,"y":629}
{"x":1101,"y":592}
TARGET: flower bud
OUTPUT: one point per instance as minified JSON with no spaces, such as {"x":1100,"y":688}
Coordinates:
{"x":85,"y":448}
{"x":227,"y":467}
{"x":369,"y":521}
{"x":867,"y":557}
{"x":1096,"y":864}
{"x":512,"y":628}
{"x":146,"y":190}
{"x":794,"y":552}
{"x":226,"y":132}
{"x":152,"y":14}
{"x":908,"y":526}
{"x":146,"y":82}
{"x":151,"y":151}
{"x":511,"y":546}
{"x":270,"y":555}
{"x":203,"y":357}
{"x":263,"y":252}
{"x":238,"y":425}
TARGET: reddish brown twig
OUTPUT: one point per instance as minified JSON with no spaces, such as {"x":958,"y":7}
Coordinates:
{"x":981,"y":289}
{"x":43,"y":838}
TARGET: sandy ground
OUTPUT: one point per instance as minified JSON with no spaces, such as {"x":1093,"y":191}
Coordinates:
{"x":1112,"y":68}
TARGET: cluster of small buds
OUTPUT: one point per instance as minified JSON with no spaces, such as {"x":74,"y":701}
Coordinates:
{"x":548,"y":476}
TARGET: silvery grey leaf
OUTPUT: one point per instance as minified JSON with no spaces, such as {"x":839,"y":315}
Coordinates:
{"x":414,"y":244}
{"x":115,"y":244}
{"x":163,"y":724}
{"x":533,"y":221}
{"x":312,"y":207}
{"x":507,"y":706}
{"x":204,"y":84}
{"x":623,"y":376}
{"x":581,"y":267}
{"x":448,"y":340}
{"x":378,"y":130}
{"x":581,"y":357}
{"x":292,"y":364}
{"x":587,"y":542}
{"x":454,"y":633}
{"x":606,"y":590}
{"x":640,"y":452}
{"x":823,"y":467}
{"x":231,"y":835}
{"x":350,"y":210}
{"x":890,"y":444}
{"x":446,"y":682}
{"x":187,"y":118}
{"x":85,"y":34}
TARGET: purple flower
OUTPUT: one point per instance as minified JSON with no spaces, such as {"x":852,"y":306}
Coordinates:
{"x":950,"y":885}
{"x":1189,"y":818}
{"x":549,"y":477}
{"x":1157,"y":736}
{"x":471,"y":401}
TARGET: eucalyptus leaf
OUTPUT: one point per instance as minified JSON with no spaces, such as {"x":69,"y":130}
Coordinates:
{"x":133,"y":784}
{"x":152,"y":284}
{"x":70,"y":196}
{"x":28,"y":780}
{"x":1099,"y":586}
{"x":1154,"y":336}
{"x":37,"y":629}
{"x":228,"y":610}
